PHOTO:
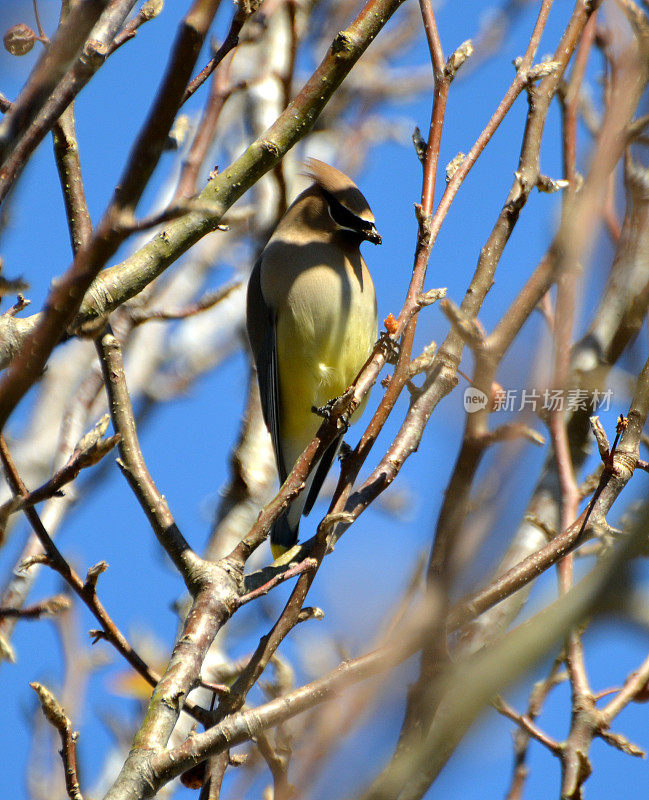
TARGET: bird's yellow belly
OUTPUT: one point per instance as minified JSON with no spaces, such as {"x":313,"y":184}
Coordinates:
{"x":321,"y":345}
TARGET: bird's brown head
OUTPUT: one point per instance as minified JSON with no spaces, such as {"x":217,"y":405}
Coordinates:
{"x":346,"y":204}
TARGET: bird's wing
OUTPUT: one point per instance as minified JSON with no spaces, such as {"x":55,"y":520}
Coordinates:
{"x":262,"y":332}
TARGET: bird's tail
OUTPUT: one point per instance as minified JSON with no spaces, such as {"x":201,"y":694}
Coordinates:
{"x":284,"y":533}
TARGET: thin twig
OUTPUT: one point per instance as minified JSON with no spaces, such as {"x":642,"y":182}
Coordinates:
{"x":55,"y":713}
{"x":149,"y":10}
{"x":53,"y":605}
{"x":88,"y":453}
{"x":526,"y":724}
{"x":220,"y":92}
{"x":291,"y":572}
{"x":207,"y":301}
{"x":244,"y":11}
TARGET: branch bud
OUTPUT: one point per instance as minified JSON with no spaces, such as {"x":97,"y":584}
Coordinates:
{"x":457,"y":58}
{"x":151,"y":9}
{"x":452,"y":166}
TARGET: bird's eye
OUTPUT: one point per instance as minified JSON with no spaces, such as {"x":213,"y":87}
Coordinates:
{"x":344,"y":218}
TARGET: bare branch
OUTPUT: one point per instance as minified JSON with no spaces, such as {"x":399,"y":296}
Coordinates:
{"x":55,"y":713}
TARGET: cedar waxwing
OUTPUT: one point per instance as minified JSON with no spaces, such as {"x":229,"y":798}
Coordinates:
{"x":312,"y":323}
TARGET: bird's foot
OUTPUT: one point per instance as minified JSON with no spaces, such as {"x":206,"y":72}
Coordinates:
{"x":392,"y":348}
{"x":335,"y":409}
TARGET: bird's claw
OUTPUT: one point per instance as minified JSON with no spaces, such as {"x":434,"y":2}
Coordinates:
{"x":392,"y":348}
{"x":331,"y":409}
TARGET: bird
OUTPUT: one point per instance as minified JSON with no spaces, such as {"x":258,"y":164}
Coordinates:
{"x":311,"y":317}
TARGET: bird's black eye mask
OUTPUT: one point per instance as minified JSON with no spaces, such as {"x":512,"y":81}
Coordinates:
{"x":345,"y":218}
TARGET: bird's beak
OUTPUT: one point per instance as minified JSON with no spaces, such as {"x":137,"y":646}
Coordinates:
{"x":373,"y":236}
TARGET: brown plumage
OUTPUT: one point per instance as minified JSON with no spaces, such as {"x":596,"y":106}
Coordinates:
{"x":312,"y":322}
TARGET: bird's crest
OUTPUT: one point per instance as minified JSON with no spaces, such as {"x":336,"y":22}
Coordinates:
{"x":339,"y":186}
